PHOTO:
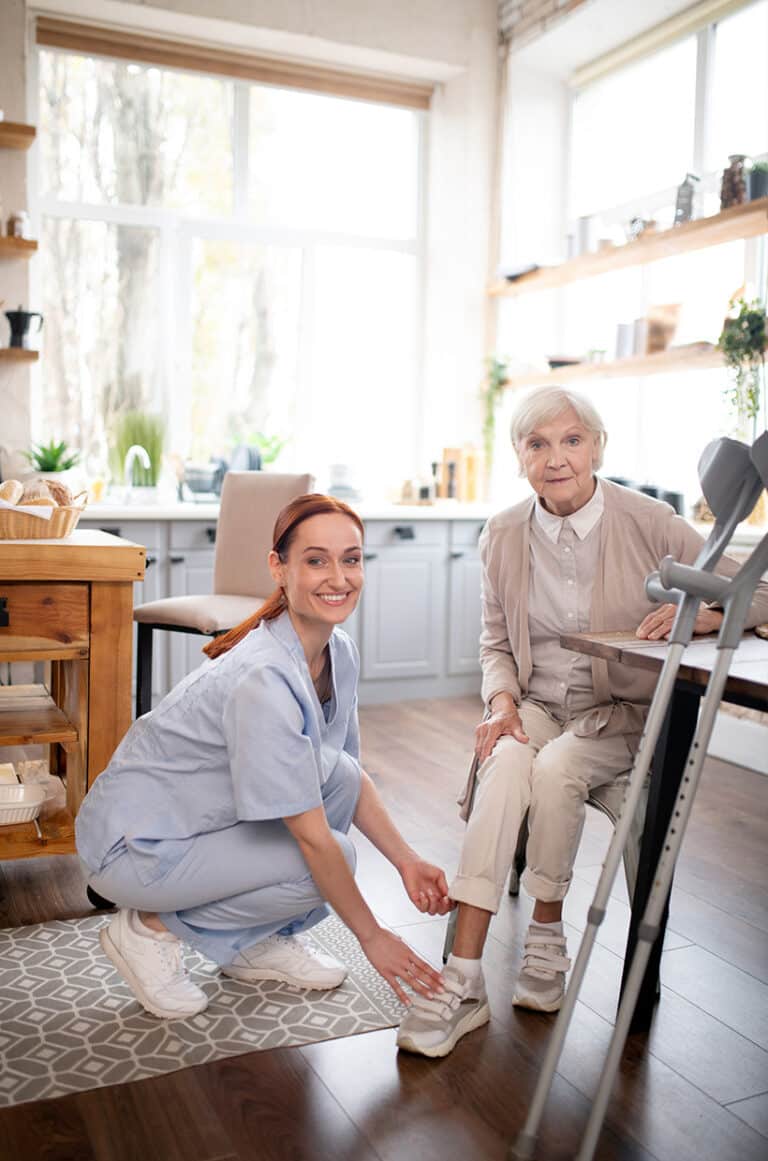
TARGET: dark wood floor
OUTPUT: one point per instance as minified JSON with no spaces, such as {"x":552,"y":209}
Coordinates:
{"x":696,"y":1090}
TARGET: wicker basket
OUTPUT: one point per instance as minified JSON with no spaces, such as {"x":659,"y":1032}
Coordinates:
{"x":15,"y":525}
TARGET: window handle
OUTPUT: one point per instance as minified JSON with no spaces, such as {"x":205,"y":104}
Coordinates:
{"x":404,"y":532}
{"x":211,"y":534}
{"x":457,"y":555}
{"x":177,"y":559}
{"x":370,"y":556}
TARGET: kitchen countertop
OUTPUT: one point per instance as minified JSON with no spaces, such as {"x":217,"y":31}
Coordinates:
{"x":746,"y":534}
{"x":443,"y":510}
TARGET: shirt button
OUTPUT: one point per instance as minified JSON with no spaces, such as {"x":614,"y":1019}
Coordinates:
{"x":570,"y":582}
{"x":570,"y":614}
{"x":562,"y":685}
{"x":566,"y":549}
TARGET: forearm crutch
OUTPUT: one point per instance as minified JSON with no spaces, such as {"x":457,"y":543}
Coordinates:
{"x":735,"y":596}
{"x":731,"y":485}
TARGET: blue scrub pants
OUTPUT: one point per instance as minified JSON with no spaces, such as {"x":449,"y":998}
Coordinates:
{"x":234,"y":887}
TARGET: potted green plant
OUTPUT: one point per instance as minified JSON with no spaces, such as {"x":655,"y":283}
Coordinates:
{"x":758,"y":181}
{"x":496,"y":379}
{"x":52,"y":457}
{"x":143,"y":430}
{"x":742,"y":342}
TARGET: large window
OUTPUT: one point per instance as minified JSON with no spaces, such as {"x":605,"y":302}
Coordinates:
{"x":634,"y":133}
{"x":239,"y":258}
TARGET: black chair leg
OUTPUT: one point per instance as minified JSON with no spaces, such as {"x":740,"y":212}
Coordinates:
{"x":143,"y":669}
{"x":98,"y":901}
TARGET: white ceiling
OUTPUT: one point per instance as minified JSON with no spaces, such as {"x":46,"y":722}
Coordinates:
{"x":593,"y":29}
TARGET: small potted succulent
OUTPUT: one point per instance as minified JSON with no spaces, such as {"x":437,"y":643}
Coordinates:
{"x":758,"y":181}
{"x":51,"y":459}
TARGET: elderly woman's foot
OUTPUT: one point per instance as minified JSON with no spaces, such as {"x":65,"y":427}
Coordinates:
{"x":151,"y":964}
{"x":541,"y":983}
{"x":287,"y":959}
{"x":434,"y":1027}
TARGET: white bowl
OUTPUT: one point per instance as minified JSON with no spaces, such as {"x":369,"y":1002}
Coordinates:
{"x":20,"y":803}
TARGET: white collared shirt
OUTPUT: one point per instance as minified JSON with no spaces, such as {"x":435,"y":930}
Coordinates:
{"x":582,"y":522}
{"x":564,"y":559}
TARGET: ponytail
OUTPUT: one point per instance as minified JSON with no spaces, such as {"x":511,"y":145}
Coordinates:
{"x":288,"y":520}
{"x":272,"y":607}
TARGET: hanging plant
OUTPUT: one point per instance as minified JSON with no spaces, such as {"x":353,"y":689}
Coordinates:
{"x":742,"y":341}
{"x":496,"y":379}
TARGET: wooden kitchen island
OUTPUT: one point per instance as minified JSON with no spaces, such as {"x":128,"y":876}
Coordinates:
{"x":70,"y":603}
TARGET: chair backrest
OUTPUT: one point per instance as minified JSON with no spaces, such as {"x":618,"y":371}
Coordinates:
{"x":250,"y":502}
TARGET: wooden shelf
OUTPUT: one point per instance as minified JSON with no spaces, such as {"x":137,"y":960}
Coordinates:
{"x":14,"y":135}
{"x":747,"y":221}
{"x":17,"y":247}
{"x":56,"y":835}
{"x":29,"y":717}
{"x":18,"y":355}
{"x":697,"y":357}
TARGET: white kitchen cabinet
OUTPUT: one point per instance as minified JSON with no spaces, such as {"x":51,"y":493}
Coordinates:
{"x":153,"y":534}
{"x":191,"y":554}
{"x":403,"y":606}
{"x":464,"y":576}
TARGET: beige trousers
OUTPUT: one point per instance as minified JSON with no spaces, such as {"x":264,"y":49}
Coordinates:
{"x":550,"y":777}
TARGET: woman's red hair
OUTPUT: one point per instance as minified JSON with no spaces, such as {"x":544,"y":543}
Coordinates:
{"x":288,"y":520}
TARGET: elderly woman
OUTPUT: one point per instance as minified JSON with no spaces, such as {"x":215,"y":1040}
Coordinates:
{"x":573,"y":557}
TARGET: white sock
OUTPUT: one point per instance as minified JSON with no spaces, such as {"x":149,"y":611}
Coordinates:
{"x":554,"y":928}
{"x":471,"y":969}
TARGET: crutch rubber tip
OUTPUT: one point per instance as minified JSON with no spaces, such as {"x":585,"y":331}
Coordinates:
{"x":524,"y":1148}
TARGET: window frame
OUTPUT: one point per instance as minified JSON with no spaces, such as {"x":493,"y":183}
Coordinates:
{"x":177,"y":229}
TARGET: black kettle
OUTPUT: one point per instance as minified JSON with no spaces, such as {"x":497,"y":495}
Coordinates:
{"x":20,"y":322}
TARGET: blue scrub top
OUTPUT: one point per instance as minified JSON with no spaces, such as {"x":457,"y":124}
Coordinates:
{"x":243,"y":737}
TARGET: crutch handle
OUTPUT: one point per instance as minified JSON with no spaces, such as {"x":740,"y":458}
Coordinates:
{"x":655,"y":591}
{"x":694,"y":581}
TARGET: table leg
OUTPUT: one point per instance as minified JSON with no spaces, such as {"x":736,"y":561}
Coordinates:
{"x":667,"y":770}
{"x":109,"y":712}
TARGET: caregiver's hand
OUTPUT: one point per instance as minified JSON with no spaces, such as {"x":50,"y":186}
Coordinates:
{"x":394,"y":960}
{"x":503,"y":720}
{"x":658,"y":624}
{"x":426,"y":887}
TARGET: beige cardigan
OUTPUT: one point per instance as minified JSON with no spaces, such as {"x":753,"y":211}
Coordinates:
{"x":635,"y":533}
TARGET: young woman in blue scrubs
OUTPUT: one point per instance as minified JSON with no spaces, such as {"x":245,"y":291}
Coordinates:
{"x":222,"y":820}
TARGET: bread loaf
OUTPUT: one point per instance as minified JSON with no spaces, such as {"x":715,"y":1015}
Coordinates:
{"x":35,"y":489}
{"x":60,"y":492}
{"x":39,"y":502}
{"x":11,"y":491}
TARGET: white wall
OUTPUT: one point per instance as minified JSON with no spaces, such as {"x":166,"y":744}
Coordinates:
{"x":14,"y":276}
{"x":452,"y":42}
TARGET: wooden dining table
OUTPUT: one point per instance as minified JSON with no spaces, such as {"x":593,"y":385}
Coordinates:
{"x":747,"y":685}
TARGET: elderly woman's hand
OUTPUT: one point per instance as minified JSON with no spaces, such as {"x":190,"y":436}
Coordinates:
{"x":505,"y":720}
{"x":658,"y":624}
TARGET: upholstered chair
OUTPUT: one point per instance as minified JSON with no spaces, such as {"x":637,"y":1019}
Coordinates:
{"x":250,"y":502}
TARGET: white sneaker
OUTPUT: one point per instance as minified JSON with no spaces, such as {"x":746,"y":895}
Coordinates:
{"x":434,"y":1027}
{"x":151,"y":964}
{"x":541,"y":983}
{"x":289,"y":960}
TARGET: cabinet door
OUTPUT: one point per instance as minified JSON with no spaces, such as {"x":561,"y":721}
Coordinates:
{"x":191,"y":574}
{"x":402,"y":612}
{"x":464,"y":611}
{"x":153,"y":535}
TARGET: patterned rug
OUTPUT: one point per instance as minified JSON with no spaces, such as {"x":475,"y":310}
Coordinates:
{"x":69,"y":1023}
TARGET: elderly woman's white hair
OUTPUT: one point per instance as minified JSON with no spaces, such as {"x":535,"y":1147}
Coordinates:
{"x":545,"y":404}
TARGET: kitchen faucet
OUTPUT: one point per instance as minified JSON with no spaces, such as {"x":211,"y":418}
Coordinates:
{"x":135,"y":452}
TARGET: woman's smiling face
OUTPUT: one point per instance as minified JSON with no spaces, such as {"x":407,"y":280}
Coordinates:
{"x":322,"y":574}
{"x":558,"y":458}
